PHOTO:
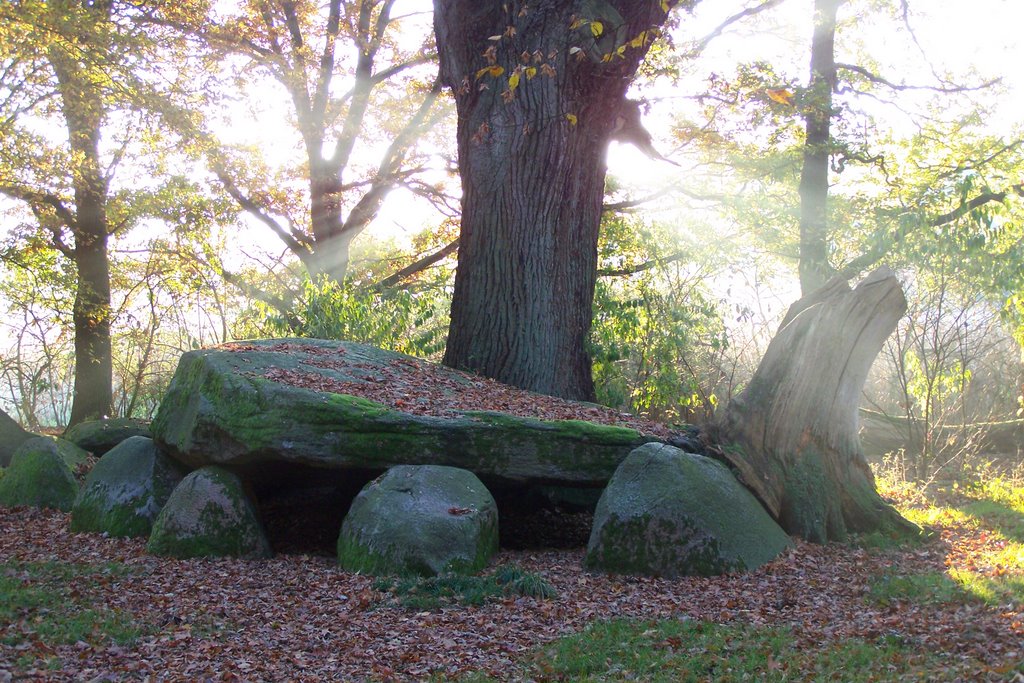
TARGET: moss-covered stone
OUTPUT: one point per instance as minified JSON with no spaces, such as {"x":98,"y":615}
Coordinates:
{"x":223,"y":408}
{"x":40,"y":476}
{"x":209,"y":514}
{"x":126,"y":490}
{"x":11,"y":437}
{"x":99,"y":436}
{"x":423,"y":521}
{"x":670,"y":513}
{"x":73,"y":456}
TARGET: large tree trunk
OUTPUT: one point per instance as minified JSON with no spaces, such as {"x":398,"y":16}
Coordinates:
{"x":83,"y":109}
{"x":328,"y":253}
{"x":815,"y":269}
{"x":792,"y":433}
{"x":531,"y":159}
{"x":93,"y":351}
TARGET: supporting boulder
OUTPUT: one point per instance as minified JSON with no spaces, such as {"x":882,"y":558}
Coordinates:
{"x":11,"y":437}
{"x":420,"y":520}
{"x":41,"y":474}
{"x":792,"y":433}
{"x":670,"y":513}
{"x":99,"y":436}
{"x":209,"y":515}
{"x":126,"y":490}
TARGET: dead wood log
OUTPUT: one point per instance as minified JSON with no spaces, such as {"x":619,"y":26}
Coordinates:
{"x":792,"y":433}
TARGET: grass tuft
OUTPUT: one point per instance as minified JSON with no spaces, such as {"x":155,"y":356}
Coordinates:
{"x":674,"y":650}
{"x":435,"y":592}
{"x":39,"y":601}
{"x":991,"y":511}
{"x":931,"y":588}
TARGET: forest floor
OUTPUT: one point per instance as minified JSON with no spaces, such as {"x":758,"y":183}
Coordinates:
{"x":85,"y":607}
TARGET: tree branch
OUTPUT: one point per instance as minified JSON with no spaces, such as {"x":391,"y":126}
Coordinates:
{"x":640,"y":267}
{"x":384,"y":180}
{"x":38,"y":202}
{"x":37,"y":198}
{"x":321,"y":95}
{"x":628,"y":204}
{"x":873,"y":256}
{"x":748,"y":12}
{"x":360,"y":91}
{"x":296,"y":246}
{"x":419,"y":265}
{"x":280,"y":305}
{"x":880,"y":80}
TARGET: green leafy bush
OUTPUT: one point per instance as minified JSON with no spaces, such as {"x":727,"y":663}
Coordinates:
{"x":413,"y":322}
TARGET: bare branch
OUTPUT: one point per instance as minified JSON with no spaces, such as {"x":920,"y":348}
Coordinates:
{"x":385,"y":178}
{"x":253,"y":292}
{"x":360,"y":91}
{"x":445,"y":203}
{"x":720,"y":29}
{"x":880,"y":80}
{"x":630,"y":204}
{"x":617,"y":207}
{"x":299,"y":248}
{"x":321,"y":96}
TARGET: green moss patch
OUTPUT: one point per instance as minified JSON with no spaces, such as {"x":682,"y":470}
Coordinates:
{"x":670,"y":513}
{"x":38,"y":477}
{"x":39,"y":601}
{"x":252,"y":405}
{"x":126,"y":490}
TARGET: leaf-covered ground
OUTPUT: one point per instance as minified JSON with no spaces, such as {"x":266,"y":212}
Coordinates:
{"x":85,"y":607}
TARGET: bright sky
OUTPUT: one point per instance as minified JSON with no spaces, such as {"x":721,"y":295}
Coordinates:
{"x":954,"y":35}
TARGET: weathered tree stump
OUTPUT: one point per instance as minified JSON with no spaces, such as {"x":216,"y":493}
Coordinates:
{"x":792,"y":433}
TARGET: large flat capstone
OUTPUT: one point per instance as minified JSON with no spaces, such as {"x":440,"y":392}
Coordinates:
{"x":304,"y":402}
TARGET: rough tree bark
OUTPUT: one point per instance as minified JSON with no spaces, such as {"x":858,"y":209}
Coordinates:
{"x":815,"y":270}
{"x":84,"y":111}
{"x":792,"y":433}
{"x":536,"y":100}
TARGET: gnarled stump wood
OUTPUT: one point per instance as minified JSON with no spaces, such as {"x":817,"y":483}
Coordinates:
{"x":792,"y":433}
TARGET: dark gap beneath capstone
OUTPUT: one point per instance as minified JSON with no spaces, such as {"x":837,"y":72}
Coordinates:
{"x":302,"y":507}
{"x":539,"y":518}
